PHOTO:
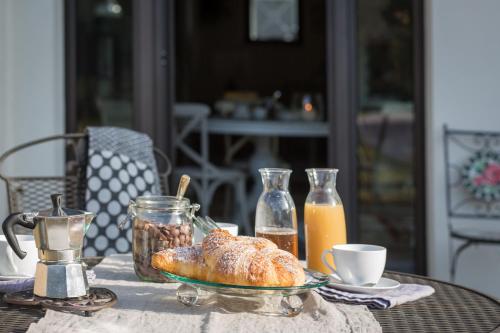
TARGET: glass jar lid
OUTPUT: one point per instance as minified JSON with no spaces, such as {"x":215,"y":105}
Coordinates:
{"x":162,"y":203}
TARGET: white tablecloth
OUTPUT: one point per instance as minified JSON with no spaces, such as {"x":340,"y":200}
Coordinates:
{"x":152,"y":307}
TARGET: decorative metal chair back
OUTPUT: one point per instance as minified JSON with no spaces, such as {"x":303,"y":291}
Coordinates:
{"x":472,"y":161}
{"x":192,"y":118}
{"x":27,"y":193}
{"x":30,"y":193}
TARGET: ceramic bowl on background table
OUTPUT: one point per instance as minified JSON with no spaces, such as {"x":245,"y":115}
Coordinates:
{"x":231,"y":227}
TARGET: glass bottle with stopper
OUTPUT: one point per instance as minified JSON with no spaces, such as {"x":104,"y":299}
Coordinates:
{"x":324,"y":219}
{"x":276,"y":217}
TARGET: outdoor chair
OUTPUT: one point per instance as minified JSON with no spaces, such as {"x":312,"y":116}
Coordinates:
{"x":32,"y":193}
{"x":472,"y":162}
{"x":206,"y":178}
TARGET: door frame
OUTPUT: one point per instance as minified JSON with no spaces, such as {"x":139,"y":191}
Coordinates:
{"x":419,"y":171}
{"x":70,"y":61}
{"x":342,"y":104}
{"x":153,"y":69}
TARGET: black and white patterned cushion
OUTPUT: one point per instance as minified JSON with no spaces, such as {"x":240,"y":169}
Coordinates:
{"x":113,"y":179}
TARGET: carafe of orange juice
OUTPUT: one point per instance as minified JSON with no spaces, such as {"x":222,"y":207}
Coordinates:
{"x":324,"y":219}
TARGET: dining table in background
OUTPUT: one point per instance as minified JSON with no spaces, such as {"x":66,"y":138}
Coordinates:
{"x":262,"y":133}
{"x":383,"y":131}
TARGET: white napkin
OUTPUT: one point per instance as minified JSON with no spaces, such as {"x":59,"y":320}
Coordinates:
{"x":383,"y":300}
{"x":153,"y":307}
{"x":13,"y":286}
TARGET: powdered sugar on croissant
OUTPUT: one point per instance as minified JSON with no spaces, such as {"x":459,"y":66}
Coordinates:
{"x":231,"y":259}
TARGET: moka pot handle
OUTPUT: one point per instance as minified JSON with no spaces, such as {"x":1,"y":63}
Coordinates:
{"x":25,"y":220}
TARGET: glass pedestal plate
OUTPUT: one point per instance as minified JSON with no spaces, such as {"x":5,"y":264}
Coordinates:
{"x":272,"y":301}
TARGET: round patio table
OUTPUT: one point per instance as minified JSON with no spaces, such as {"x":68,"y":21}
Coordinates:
{"x":451,"y":308}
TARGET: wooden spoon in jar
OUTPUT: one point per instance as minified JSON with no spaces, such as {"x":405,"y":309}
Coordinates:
{"x":183,"y":185}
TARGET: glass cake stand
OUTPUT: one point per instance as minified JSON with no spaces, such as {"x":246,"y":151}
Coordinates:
{"x":290,"y":300}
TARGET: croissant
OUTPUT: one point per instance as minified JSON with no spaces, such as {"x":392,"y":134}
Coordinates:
{"x":239,"y":260}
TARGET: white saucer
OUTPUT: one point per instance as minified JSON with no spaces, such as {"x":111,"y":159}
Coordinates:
{"x":383,"y":284}
{"x":14,"y":277}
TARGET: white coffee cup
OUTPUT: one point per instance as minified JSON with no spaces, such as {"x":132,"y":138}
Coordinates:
{"x":357,"y":264}
{"x":11,"y":264}
{"x":231,"y":227}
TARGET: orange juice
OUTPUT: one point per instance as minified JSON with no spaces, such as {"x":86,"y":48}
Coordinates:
{"x":324,"y":227}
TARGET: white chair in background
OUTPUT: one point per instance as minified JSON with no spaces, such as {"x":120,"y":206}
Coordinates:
{"x":191,"y":118}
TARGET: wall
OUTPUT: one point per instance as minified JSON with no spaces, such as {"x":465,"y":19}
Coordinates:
{"x":463,"y":90}
{"x":214,"y":53}
{"x":31,"y":84}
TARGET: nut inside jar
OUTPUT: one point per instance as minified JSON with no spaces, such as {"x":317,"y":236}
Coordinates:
{"x":150,"y":237}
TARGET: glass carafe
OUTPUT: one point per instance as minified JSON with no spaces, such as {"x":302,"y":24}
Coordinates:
{"x":276,"y":217}
{"x":324,"y":219}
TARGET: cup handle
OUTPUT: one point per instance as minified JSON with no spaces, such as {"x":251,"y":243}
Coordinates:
{"x":323,"y":259}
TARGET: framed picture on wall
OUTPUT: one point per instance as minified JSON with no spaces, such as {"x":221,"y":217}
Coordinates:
{"x":274,"y":21}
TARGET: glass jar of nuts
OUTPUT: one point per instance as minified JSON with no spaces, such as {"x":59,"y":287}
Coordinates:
{"x":159,"y":222}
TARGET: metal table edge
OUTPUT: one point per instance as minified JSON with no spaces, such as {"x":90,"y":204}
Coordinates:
{"x":448,"y":283}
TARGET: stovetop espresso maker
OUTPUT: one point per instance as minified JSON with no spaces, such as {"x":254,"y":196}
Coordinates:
{"x":58,"y":234}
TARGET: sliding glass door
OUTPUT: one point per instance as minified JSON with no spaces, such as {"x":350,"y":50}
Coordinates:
{"x":385,"y":127}
{"x":117,"y":69}
{"x":103,"y":63}
{"x":376,"y":103}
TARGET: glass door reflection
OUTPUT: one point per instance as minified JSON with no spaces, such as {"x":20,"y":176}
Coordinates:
{"x":104,"y":63}
{"x":385,"y":129}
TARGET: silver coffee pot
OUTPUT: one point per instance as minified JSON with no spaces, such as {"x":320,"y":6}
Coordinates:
{"x":58,"y":234}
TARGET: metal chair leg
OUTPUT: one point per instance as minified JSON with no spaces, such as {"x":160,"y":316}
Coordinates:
{"x":227,"y":200}
{"x":240,"y":196}
{"x":455,"y":258}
